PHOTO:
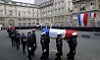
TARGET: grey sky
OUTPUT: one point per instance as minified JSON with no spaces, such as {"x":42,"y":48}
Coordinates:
{"x":26,"y":1}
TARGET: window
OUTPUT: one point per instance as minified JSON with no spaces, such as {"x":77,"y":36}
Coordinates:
{"x":33,"y":23}
{"x":19,"y":13}
{"x":33,"y":9}
{"x":58,"y":3}
{"x":99,"y":6}
{"x":48,"y":11}
{"x":58,"y":8}
{"x":10,"y":6}
{"x":19,"y":24}
{"x":44,"y":12}
{"x":28,"y":12}
{"x":55,"y":9}
{"x":91,"y":3}
{"x":55,"y":3}
{"x":33,"y":14}
{"x":82,"y":7}
{"x":19,"y":19}
{"x":75,"y":6}
{"x":69,"y":3}
{"x":1,"y":12}
{"x":2,"y":19}
{"x":10,"y":12}
{"x":62,"y":8}
{"x":24,"y":13}
{"x":24,"y":19}
{"x":29,"y":19}
{"x":51,"y":10}
{"x":37,"y":15}
{"x":62,"y":1}
{"x":24,"y":24}
{"x":29,"y":24}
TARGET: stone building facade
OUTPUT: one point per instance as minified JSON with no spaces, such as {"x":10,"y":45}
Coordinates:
{"x":82,"y":6}
{"x":19,"y":14}
{"x":55,"y":12}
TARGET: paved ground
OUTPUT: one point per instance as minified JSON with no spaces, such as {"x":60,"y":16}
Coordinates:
{"x":87,"y":49}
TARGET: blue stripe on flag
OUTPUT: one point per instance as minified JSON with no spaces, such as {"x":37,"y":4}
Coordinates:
{"x":79,"y":21}
{"x":90,"y":14}
{"x":46,"y":30}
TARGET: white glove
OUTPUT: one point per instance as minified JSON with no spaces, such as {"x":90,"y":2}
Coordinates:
{"x":34,"y":44}
{"x":44,"y":50}
{"x":29,"y":48}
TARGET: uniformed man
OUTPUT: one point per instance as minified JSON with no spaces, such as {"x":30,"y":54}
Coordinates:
{"x":12,"y":36}
{"x":59,"y":45}
{"x":17,"y":39}
{"x":34,"y":46}
{"x":29,"y":45}
{"x":23,"y":41}
{"x":72,"y":45}
{"x":48,"y":42}
{"x":44,"y":44}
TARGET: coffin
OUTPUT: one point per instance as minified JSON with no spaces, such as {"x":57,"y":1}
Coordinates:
{"x":52,"y":33}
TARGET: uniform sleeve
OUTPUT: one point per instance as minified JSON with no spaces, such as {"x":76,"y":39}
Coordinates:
{"x":41,"y":40}
{"x":48,"y":39}
{"x":34,"y":38}
{"x":56,"y":41}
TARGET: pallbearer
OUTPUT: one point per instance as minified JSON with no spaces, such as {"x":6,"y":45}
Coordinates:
{"x":72,"y":45}
{"x":29,"y":45}
{"x":48,"y":42}
{"x":17,"y":39}
{"x":44,"y":44}
{"x":59,"y":45}
{"x":12,"y":36}
{"x":23,"y":41}
{"x":34,"y":45}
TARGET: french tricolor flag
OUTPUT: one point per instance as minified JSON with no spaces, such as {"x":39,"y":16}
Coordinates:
{"x":92,"y":14}
{"x":83,"y":19}
{"x":52,"y":33}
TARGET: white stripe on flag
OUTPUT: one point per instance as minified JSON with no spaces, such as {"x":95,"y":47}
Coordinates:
{"x":92,"y":14}
{"x":53,"y":33}
{"x":82,"y":19}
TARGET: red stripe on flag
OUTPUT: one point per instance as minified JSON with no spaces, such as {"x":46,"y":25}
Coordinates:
{"x":94,"y":14}
{"x":69,"y":33}
{"x":85,"y":19}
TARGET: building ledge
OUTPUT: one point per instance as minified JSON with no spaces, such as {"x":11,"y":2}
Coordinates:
{"x":83,"y":11}
{"x":47,"y":3}
{"x":74,"y":1}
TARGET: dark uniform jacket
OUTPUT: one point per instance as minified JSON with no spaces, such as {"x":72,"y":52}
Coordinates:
{"x":17,"y":35}
{"x":29,"y":40}
{"x":33,"y":38}
{"x":12,"y":33}
{"x":48,"y":39}
{"x":23,"y":39}
{"x":44,"y":42}
{"x":59,"y":42}
{"x":73,"y":40}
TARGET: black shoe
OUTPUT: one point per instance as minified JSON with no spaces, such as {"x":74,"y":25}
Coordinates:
{"x":48,"y":57}
{"x":29,"y":58}
{"x":33,"y":56}
{"x":41,"y":58}
{"x":24,"y":52}
{"x":69,"y":58}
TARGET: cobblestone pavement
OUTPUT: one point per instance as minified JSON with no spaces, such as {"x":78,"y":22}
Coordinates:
{"x":87,"y":49}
